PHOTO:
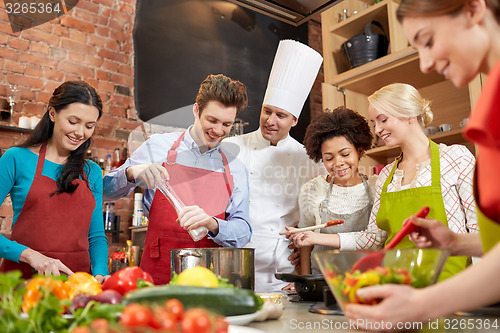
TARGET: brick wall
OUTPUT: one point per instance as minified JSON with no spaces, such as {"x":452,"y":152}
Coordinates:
{"x":315,"y":42}
{"x":93,"y":42}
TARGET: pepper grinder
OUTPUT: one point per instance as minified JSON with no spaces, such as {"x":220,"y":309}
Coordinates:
{"x":165,"y":188}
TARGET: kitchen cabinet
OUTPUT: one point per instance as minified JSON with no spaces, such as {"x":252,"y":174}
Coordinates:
{"x":350,"y":87}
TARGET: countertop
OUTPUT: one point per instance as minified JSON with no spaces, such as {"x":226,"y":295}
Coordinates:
{"x":297,"y":318}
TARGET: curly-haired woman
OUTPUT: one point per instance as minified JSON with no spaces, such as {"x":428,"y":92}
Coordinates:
{"x":339,"y":138}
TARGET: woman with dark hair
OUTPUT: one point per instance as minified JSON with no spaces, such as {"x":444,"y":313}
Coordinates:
{"x":438,"y":31}
{"x":56,"y":193}
{"x":339,"y":138}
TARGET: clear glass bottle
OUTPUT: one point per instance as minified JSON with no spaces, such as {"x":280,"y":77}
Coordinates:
{"x":109,"y":215}
{"x":196,"y":234}
{"x":107,"y":164}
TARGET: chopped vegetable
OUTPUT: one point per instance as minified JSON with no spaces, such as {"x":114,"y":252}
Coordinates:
{"x":346,"y":286}
{"x":83,"y":283}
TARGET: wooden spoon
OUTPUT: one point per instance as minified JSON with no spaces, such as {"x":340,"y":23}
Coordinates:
{"x":373,"y":260}
{"x":314,"y":227}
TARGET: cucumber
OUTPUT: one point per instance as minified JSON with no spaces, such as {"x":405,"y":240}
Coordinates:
{"x":224,"y":301}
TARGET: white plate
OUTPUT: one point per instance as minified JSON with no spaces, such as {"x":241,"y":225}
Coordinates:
{"x":66,"y":316}
{"x":243,"y":329}
{"x":242,"y":319}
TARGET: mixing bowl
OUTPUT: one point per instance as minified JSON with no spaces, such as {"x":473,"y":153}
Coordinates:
{"x":412,"y":266}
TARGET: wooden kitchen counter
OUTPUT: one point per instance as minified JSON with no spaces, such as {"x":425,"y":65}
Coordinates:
{"x":297,"y":318}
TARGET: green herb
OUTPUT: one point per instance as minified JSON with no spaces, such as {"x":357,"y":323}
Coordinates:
{"x":47,"y":315}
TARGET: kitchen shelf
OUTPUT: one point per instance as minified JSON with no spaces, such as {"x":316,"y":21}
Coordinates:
{"x":15,"y":129}
{"x":356,"y":23}
{"x":351,"y":86}
{"x":376,"y":74}
{"x":447,"y":138}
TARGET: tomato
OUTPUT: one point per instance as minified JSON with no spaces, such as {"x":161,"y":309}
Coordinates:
{"x":99,"y":323}
{"x":221,"y":325}
{"x":176,"y":308}
{"x":196,"y":320}
{"x":166,"y":320}
{"x":137,"y":315}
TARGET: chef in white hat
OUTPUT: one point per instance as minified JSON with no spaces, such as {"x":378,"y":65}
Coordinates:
{"x":277,"y":164}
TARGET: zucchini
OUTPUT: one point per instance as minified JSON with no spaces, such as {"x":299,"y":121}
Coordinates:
{"x":224,"y":301}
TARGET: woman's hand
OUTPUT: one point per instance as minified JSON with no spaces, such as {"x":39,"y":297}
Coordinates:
{"x":301,"y":239}
{"x":43,"y":264}
{"x":400,"y":304}
{"x":150,"y":173}
{"x":102,"y":278}
{"x":432,"y":233}
{"x":193,"y":217}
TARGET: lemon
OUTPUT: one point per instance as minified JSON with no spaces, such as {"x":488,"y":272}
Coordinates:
{"x":198,"y":277}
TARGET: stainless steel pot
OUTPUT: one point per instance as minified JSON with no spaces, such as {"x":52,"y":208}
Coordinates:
{"x":235,"y":264}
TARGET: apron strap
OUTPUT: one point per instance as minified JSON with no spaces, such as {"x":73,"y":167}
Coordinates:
{"x":41,"y":159}
{"x":227,"y":172}
{"x":172,"y":157}
{"x":172,"y":153}
{"x":435,"y":165}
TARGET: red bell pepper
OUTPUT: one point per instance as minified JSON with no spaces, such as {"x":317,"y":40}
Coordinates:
{"x":126,"y":279}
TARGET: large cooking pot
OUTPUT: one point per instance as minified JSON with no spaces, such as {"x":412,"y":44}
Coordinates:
{"x":308,"y":287}
{"x":235,"y":264}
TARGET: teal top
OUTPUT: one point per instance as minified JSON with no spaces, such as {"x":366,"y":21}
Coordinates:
{"x":18,"y":167}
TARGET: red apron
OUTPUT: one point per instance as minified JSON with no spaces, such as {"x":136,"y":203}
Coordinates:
{"x":210,"y":190}
{"x":56,"y":226}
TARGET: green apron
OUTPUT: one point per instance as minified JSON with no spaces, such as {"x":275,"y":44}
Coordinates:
{"x":396,"y":207}
{"x":489,"y":230}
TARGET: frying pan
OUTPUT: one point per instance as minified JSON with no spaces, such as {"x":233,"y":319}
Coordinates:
{"x":308,"y":287}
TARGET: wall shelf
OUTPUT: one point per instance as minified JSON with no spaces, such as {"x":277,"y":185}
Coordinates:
{"x":15,"y":129}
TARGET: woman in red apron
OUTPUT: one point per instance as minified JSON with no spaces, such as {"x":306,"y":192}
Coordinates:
{"x":427,"y":25}
{"x":55,"y":221}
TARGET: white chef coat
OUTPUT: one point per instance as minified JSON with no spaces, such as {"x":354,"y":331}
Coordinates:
{"x":275,"y":176}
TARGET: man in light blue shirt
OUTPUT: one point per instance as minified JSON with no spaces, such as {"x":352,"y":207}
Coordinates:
{"x":212,"y":184}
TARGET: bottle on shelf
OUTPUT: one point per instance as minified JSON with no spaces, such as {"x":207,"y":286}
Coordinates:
{"x":129,"y":253}
{"x":107,"y":164}
{"x":116,"y":159}
{"x":101,"y":165}
{"x":89,"y":154}
{"x":138,"y":210}
{"x":124,"y":156}
{"x":109,"y":215}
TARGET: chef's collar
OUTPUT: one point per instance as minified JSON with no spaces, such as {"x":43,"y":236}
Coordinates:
{"x":192,"y":145}
{"x":263,"y":142}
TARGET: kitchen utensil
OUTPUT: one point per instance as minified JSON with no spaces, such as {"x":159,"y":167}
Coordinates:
{"x":422,"y":265}
{"x":308,"y":287}
{"x":314,"y":227}
{"x":235,"y":264}
{"x":169,"y":193}
{"x":375,"y":259}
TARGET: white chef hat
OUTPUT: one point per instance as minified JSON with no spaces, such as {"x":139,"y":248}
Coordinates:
{"x":294,"y":70}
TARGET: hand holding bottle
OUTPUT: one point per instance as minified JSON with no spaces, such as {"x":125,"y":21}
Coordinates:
{"x":187,"y":217}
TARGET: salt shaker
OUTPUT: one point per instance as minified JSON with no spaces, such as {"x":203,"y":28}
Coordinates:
{"x":196,"y":234}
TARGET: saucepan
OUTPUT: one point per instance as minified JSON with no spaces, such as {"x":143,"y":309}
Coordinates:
{"x":235,"y":264}
{"x":308,"y":287}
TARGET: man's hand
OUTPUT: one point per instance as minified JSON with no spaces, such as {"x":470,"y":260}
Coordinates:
{"x":193,"y":217}
{"x":150,"y":173}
